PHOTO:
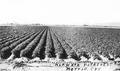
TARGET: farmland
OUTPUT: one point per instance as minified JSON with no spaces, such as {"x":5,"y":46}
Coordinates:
{"x":92,"y":41}
{"x":54,"y":45}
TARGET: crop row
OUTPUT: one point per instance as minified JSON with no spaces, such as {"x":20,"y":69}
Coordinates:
{"x":63,"y":43}
{"x":27,"y":52}
{"x":41,"y":44}
{"x":91,"y":41}
{"x":19,"y":42}
{"x":11,"y":32}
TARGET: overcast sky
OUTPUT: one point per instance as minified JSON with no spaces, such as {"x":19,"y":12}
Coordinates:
{"x":74,"y":12}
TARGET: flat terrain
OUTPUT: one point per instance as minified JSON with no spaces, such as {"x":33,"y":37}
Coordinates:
{"x":87,"y":47}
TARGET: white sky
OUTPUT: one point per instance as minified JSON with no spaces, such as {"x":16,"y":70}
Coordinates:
{"x":91,"y":12}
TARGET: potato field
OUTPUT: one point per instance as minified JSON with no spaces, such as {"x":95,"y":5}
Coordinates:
{"x":59,"y":44}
